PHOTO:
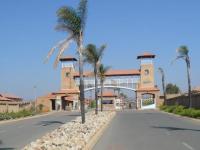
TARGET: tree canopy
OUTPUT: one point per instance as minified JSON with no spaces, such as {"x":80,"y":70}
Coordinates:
{"x":172,"y":89}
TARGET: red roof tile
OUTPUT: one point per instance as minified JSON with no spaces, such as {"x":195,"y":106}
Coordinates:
{"x":146,"y":55}
{"x":10,"y":96}
{"x":4,"y":99}
{"x":68,"y":91}
{"x":113,"y":73}
{"x":108,"y":94}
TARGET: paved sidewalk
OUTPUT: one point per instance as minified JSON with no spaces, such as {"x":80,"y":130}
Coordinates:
{"x":150,"y":130}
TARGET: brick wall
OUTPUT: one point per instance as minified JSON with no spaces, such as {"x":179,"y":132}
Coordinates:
{"x":14,"y":107}
{"x":184,"y":101}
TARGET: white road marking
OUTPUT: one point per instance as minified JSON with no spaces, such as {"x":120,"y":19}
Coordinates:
{"x":2,"y":131}
{"x":188,"y":146}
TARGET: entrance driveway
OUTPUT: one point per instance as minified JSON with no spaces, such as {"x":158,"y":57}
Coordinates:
{"x":150,"y":130}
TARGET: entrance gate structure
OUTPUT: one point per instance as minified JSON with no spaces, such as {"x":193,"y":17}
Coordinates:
{"x":140,"y":81}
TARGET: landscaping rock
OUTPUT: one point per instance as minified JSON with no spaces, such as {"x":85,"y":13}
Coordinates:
{"x":73,"y":135}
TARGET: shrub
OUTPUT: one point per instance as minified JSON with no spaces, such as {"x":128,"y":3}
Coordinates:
{"x":14,"y":115}
{"x":181,"y":110}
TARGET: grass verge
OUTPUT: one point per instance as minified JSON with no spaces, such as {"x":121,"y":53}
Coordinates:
{"x":181,"y":110}
{"x":15,"y":115}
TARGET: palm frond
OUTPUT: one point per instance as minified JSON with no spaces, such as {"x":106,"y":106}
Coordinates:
{"x":62,"y":47}
{"x":93,"y":54}
{"x":64,"y":27}
{"x":183,"y":50}
{"x":82,"y":12}
{"x":90,"y":54}
{"x":102,"y":71}
{"x":68,"y":19}
{"x":161,"y":70}
{"x":100,"y":51}
{"x":53,"y":49}
{"x":178,"y":57}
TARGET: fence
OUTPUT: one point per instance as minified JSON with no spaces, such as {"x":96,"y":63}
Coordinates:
{"x":184,"y":101}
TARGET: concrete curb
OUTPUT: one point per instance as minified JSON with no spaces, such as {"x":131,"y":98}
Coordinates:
{"x":95,"y":138}
{"x":179,"y":116}
{"x":25,"y":118}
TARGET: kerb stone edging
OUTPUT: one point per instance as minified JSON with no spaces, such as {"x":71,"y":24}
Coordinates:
{"x":95,"y":138}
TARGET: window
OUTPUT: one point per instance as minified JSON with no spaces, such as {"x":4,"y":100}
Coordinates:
{"x":67,"y":74}
{"x":107,"y":101}
{"x":146,"y":72}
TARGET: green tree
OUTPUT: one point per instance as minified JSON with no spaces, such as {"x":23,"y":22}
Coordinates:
{"x":172,"y":89}
{"x":72,"y":21}
{"x":163,"y":82}
{"x":93,"y":56}
{"x":102,"y":76}
{"x":183,"y":53}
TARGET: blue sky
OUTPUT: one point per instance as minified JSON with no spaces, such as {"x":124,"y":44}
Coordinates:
{"x":128,"y":27}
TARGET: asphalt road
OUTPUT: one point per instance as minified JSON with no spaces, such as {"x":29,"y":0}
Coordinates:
{"x":15,"y":135}
{"x":150,"y":130}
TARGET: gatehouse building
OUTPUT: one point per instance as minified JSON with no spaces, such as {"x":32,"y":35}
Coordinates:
{"x":141,"y":81}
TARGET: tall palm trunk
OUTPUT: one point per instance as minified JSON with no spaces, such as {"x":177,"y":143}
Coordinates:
{"x":189,"y":82}
{"x":96,"y":89}
{"x":163,"y":86}
{"x":81,"y":88}
{"x":101,"y":95}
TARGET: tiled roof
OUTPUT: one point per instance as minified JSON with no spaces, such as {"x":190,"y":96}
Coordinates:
{"x":68,"y":58}
{"x":67,"y":91}
{"x":10,"y":96}
{"x":4,"y":99}
{"x":49,"y":96}
{"x":146,"y":55}
{"x":108,"y":94}
{"x":122,"y":72}
{"x":113,"y":73}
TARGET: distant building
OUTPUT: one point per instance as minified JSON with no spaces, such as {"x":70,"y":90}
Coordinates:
{"x":110,"y":101}
{"x":4,"y":97}
{"x":12,"y":103}
{"x":67,"y":98}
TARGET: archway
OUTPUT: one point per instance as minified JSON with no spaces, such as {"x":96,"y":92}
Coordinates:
{"x":148,"y":101}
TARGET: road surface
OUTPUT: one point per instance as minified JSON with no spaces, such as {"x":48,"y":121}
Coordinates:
{"x":15,"y":135}
{"x":150,"y":130}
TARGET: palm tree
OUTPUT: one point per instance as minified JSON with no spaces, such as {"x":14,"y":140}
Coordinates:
{"x":183,"y":54}
{"x":102,"y":75}
{"x":163,"y":83}
{"x":72,"y":21}
{"x":93,"y":56}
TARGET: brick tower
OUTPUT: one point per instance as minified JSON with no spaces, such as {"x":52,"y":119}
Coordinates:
{"x":67,"y":73}
{"x":146,"y":93}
